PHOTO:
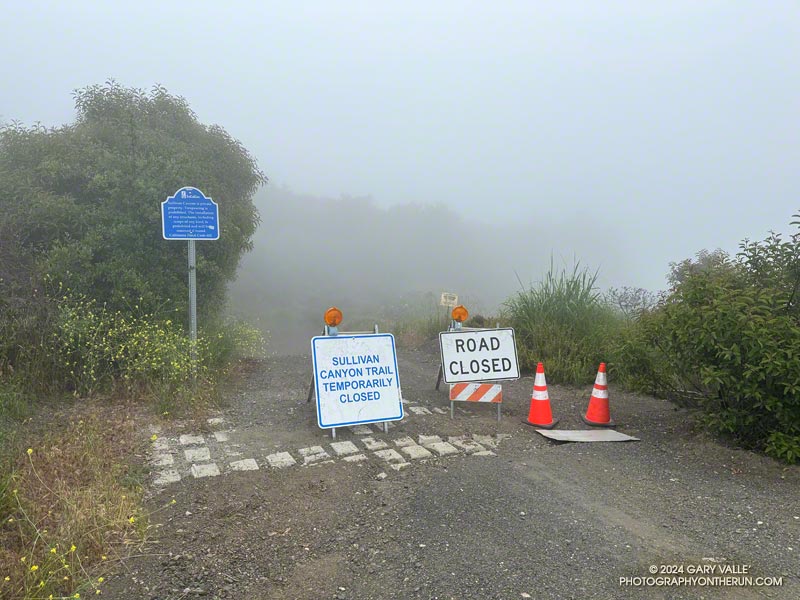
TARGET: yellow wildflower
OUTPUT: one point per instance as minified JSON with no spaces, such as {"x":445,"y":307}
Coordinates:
{"x":72,"y":548}
{"x":52,"y":550}
{"x":7,"y":578}
{"x":132,"y":520}
{"x":153,"y":437}
{"x":104,"y":557}
{"x":34,"y":567}
{"x":30,"y":451}
{"x":100,"y":579}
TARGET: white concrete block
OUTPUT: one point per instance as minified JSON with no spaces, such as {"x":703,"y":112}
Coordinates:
{"x":443,"y":448}
{"x":344,"y":448}
{"x":466,"y":444}
{"x":313,"y":454}
{"x":248,"y":464}
{"x":441,"y":411}
{"x":415,"y":452}
{"x":400,"y":466}
{"x":206,"y":470}
{"x":221,"y":436}
{"x":390,"y":456}
{"x":281,"y":460}
{"x":404,"y":441}
{"x":373,"y":444}
{"x":361,"y":430}
{"x":419,"y":410}
{"x":189,"y":440}
{"x":426,"y":440}
{"x":197,"y":455}
{"x":355,"y":458}
{"x":167,"y":477}
{"x":163,"y":460}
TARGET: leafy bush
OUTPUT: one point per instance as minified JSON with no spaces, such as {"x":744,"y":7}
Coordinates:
{"x":564,"y":322}
{"x":729,"y":331}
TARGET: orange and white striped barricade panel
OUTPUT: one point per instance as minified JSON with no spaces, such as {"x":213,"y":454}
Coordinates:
{"x":476,"y":392}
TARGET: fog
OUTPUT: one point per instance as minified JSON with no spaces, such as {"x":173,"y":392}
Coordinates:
{"x":416,"y":147}
{"x":376,"y":262}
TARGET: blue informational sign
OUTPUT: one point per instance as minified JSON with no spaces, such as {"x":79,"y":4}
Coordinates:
{"x":189,"y":215}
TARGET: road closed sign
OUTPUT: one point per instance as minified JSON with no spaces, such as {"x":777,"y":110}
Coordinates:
{"x":356,"y":379}
{"x":483,"y":355}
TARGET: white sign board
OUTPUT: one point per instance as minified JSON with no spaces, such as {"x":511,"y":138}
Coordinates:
{"x":484,"y":355}
{"x":448,"y":299}
{"x":356,"y":379}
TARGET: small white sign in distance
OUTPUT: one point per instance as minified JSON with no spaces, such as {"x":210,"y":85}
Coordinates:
{"x":356,"y":379}
{"x":485,"y":355}
{"x":449,"y":300}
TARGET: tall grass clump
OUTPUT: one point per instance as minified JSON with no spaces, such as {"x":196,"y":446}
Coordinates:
{"x":565,"y":322}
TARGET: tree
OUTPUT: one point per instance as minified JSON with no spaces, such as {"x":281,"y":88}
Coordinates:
{"x":84,"y":199}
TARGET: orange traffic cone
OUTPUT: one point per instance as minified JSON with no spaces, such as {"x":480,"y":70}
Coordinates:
{"x":540,"y":414}
{"x":597,"y":414}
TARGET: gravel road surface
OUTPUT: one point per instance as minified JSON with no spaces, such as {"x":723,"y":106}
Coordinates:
{"x":268,"y":506}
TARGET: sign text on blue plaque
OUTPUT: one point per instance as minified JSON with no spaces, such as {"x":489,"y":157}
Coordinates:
{"x":189,"y":215}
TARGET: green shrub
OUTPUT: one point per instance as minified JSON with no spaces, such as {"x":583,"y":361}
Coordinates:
{"x":565,"y":323}
{"x":729,"y":332}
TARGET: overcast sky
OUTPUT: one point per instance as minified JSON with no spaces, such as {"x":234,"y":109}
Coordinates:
{"x":649,"y":129}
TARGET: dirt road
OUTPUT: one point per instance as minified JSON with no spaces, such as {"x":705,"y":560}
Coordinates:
{"x":463,"y":508}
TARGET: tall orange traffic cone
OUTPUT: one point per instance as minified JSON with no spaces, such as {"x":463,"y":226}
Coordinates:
{"x":598,"y":414}
{"x":540,"y":414}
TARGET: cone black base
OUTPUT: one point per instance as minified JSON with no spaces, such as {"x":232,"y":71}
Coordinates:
{"x":539,"y":425}
{"x":593,"y":424}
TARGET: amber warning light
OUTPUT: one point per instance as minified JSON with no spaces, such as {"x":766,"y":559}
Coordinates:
{"x":333,"y":316}
{"x":460,"y":314}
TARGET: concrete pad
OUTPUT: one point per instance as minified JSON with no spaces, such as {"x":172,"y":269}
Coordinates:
{"x":197,"y":455}
{"x":404,"y":441}
{"x":162,"y":460}
{"x":355,"y":458}
{"x":313,"y":454}
{"x":161,"y":445}
{"x":441,"y":411}
{"x":206,"y":470}
{"x":443,"y":448}
{"x":343,"y":448}
{"x":189,"y":440}
{"x":281,"y":460}
{"x":248,"y":464}
{"x":426,"y":440}
{"x":167,"y":477}
{"x":400,"y":466}
{"x":221,"y":436}
{"x":584,"y":435}
{"x":419,"y":410}
{"x":487,"y":440}
{"x":466,"y":444}
{"x":415,"y":452}
{"x":373,"y":444}
{"x":361,"y":430}
{"x":390,"y":456}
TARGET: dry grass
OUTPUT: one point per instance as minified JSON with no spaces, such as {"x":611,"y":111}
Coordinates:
{"x":70,"y":502}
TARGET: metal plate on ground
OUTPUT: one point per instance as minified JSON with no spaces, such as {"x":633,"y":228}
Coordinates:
{"x":587,"y":435}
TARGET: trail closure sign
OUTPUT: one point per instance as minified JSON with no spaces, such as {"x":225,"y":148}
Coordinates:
{"x":478,"y":355}
{"x":356,"y":380}
{"x":189,"y":215}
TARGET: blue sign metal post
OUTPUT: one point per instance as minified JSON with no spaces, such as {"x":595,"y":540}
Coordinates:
{"x":189,"y":215}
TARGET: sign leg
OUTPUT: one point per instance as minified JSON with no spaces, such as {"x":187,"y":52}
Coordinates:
{"x":439,"y":378}
{"x":310,"y":390}
{"x":192,"y":302}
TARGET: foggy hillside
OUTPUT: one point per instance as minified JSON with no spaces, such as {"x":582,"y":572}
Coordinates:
{"x":310,"y":253}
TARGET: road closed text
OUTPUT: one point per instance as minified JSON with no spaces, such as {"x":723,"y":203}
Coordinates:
{"x":478,"y":355}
